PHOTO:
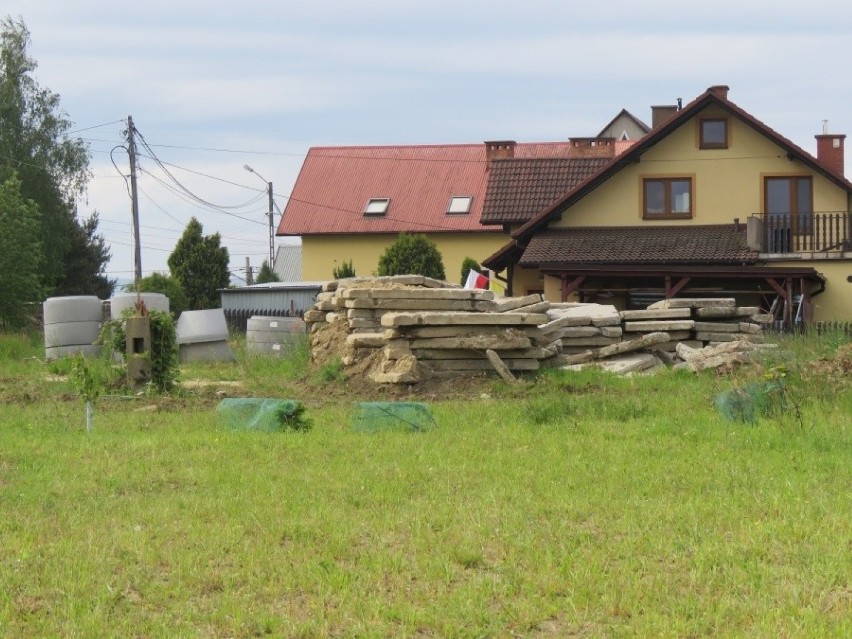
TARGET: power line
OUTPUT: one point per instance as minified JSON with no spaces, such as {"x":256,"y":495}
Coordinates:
{"x":207,"y":175}
{"x":194,"y":202}
{"x":148,"y":248}
{"x":150,"y":199}
{"x":177,"y":231}
{"x":97,"y":126}
{"x":162,"y":165}
{"x":218,"y":150}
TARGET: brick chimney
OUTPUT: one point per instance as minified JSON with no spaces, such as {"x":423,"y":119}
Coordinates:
{"x":499,"y":149}
{"x":592,"y":147}
{"x":662,"y":114}
{"x":720,"y":91}
{"x":830,"y":151}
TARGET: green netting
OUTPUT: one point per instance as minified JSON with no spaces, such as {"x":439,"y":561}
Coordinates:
{"x":747,"y":403}
{"x":262,"y":414}
{"x":370,"y":417}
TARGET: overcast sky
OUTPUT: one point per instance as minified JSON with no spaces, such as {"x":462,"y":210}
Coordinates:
{"x":214,"y":85}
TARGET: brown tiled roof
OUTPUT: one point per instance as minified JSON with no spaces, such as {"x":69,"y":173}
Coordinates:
{"x":706,"y":245}
{"x":518,"y":189}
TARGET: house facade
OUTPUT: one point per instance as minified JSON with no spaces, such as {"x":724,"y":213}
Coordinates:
{"x":710,"y":202}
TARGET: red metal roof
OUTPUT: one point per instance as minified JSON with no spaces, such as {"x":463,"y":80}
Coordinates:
{"x":336,"y":183}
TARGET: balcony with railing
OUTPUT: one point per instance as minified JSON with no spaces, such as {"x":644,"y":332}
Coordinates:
{"x":826,"y":232}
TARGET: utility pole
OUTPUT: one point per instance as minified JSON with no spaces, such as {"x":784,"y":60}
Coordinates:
{"x":270,"y":214}
{"x":134,"y":203}
{"x":271,"y":229}
{"x":249,"y":274}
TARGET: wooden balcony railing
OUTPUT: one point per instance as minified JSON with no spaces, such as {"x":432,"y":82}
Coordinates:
{"x":802,"y":232}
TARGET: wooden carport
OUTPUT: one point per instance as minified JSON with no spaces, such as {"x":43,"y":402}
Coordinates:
{"x":787,"y":283}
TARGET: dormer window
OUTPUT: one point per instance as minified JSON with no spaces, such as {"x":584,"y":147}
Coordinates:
{"x":377,"y":206}
{"x":459,"y":205}
{"x":713,"y":133}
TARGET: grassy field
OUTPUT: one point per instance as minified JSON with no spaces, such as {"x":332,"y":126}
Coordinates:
{"x":571,"y":505}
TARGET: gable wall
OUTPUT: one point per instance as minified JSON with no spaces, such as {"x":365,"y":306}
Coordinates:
{"x":621,"y":124}
{"x":727,"y":183}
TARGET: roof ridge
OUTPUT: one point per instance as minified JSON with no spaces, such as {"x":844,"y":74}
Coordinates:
{"x":430,"y":145}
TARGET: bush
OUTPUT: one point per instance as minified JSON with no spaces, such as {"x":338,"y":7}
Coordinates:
{"x":164,"y":351}
{"x":165,"y":284}
{"x":343,"y":271}
{"x":412,"y":255}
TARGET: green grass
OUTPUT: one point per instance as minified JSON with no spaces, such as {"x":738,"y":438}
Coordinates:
{"x":572,"y":505}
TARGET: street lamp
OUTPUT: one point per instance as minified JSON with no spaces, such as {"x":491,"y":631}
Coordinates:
{"x":271,"y":204}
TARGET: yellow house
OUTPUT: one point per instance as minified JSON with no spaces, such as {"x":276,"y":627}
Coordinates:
{"x":711,"y":202}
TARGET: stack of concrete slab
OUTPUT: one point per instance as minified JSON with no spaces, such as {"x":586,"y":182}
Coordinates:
{"x":676,"y":322}
{"x":364,"y":316}
{"x":410,"y":328}
{"x":713,"y":320}
{"x":404,"y":329}
{"x":447,"y":344}
{"x":579,"y":327}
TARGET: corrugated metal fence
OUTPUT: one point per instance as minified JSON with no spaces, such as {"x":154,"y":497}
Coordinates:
{"x":273,"y":300}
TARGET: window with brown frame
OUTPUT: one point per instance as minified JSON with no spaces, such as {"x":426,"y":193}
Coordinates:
{"x":713,"y":133}
{"x":666,"y":198}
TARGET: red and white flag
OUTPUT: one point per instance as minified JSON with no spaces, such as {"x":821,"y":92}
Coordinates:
{"x":476,"y":280}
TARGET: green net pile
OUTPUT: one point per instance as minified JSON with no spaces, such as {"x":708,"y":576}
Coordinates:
{"x":748,"y":403}
{"x":262,"y":414}
{"x":370,"y":417}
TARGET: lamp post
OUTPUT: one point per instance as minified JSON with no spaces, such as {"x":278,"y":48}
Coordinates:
{"x":271,"y":204}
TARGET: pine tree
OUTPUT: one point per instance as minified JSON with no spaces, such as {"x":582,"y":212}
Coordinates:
{"x":266,"y":274}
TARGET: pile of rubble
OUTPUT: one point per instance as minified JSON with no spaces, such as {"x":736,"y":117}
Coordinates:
{"x":405,"y":329}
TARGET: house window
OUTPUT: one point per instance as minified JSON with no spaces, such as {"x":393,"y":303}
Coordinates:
{"x":459,"y":205}
{"x":713,"y":133}
{"x":667,"y":198}
{"x":377,"y":206}
{"x":788,"y":202}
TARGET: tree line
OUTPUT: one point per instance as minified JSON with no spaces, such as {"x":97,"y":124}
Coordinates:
{"x":46,"y":249}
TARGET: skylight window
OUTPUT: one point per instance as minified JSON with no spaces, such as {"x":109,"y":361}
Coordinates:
{"x":459,"y":205}
{"x":377,"y":206}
